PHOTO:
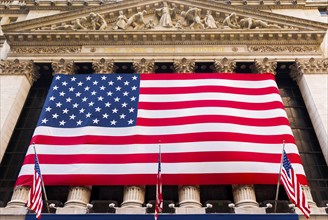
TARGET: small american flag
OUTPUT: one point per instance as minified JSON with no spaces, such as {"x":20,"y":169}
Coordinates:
{"x":159,"y":194}
{"x":35,"y":201}
{"x":293,"y":187}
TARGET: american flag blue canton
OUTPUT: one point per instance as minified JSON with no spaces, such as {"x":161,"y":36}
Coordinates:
{"x":107,"y":100}
{"x":286,"y":164}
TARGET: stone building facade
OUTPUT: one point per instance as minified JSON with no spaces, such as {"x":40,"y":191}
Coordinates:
{"x":283,"y":37}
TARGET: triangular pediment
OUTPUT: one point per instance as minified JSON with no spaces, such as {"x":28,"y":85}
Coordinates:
{"x":147,"y":20}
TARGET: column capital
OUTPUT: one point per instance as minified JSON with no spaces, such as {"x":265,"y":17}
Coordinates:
{"x":265,"y":66}
{"x":63,"y":66}
{"x":225,"y":65}
{"x":17,"y":67}
{"x":104,"y":66}
{"x":184,"y":66}
{"x":144,"y":66}
{"x":311,"y":66}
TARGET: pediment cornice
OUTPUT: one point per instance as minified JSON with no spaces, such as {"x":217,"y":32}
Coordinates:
{"x":231,"y":25}
{"x":110,"y":12}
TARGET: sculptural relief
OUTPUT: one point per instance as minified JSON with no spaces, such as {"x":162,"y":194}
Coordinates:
{"x":250,"y":23}
{"x":164,"y":15}
{"x":192,"y":17}
{"x":209,"y":21}
{"x":121,"y":21}
{"x":137,"y":20}
{"x":231,"y":21}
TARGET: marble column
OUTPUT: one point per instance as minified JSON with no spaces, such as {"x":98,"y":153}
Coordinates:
{"x":308,"y":196}
{"x":133,"y":196}
{"x":16,"y":79}
{"x":189,"y":197}
{"x":312,"y":78}
{"x":244,"y":196}
{"x":19,"y":197}
{"x":78,"y":197}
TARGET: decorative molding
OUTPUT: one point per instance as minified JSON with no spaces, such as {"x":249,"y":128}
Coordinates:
{"x":63,"y":67}
{"x":46,"y":50}
{"x":264,"y":66}
{"x":144,"y":66}
{"x":225,"y":65}
{"x":311,"y":66}
{"x":283,"y":48}
{"x":16,"y":67}
{"x":184,"y":66}
{"x":103,"y":66}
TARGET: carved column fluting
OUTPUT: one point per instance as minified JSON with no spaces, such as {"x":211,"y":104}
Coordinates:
{"x":144,"y":66}
{"x":184,"y":66}
{"x":225,"y":65}
{"x":78,"y":197}
{"x":189,"y":197}
{"x":103,"y":66}
{"x":308,"y":196}
{"x":264,"y":66}
{"x":63,"y":67}
{"x":17,"y":67}
{"x":133,"y":197}
{"x":19,"y":197}
{"x":244,"y":196}
{"x":311,"y":76}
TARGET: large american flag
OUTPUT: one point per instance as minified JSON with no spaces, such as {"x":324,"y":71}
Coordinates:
{"x":35,"y":201}
{"x":293,"y":187}
{"x":104,"y":129}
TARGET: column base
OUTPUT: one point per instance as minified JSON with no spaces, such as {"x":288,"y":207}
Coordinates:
{"x":250,"y":210}
{"x":184,"y":210}
{"x":71,"y":210}
{"x":314,"y":211}
{"x":134,"y":210}
{"x":13,"y":211}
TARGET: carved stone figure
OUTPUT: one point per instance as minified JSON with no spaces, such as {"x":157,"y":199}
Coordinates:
{"x":137,"y":21}
{"x":121,"y":21}
{"x":164,"y":15}
{"x":250,"y":23}
{"x":192,"y":17}
{"x":178,"y":25}
{"x":209,"y":20}
{"x":95,"y":22}
{"x":231,"y":21}
{"x":150,"y":24}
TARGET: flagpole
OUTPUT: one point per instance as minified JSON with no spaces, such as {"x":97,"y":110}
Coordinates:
{"x":43,"y":188}
{"x":279,"y":177}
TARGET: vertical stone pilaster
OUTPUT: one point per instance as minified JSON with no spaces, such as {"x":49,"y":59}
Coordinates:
{"x":19,"y":197}
{"x":244,"y":196}
{"x":63,"y":67}
{"x":308,"y":196}
{"x":225,"y":65}
{"x":144,"y":66}
{"x":312,"y":78}
{"x":184,"y":66}
{"x":103,"y":66}
{"x":133,"y":197}
{"x":189,"y":197}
